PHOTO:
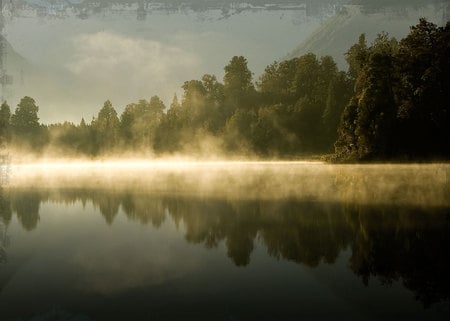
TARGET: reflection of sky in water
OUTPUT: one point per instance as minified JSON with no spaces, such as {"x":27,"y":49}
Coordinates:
{"x":74,"y":260}
{"x":126,"y":252}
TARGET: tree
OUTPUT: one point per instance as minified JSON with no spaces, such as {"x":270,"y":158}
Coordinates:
{"x":238,"y":78}
{"x":25,"y":120}
{"x":356,"y":57}
{"x":5,"y":208}
{"x":26,"y":205}
{"x":338,"y":95}
{"x":346,"y":147}
{"x":84,"y":138}
{"x":375,"y":121}
{"x":401,"y":94}
{"x":106,"y":127}
{"x":277,"y":83}
{"x":5,"y":124}
{"x":203,"y":104}
{"x":194,"y":103}
{"x":25,"y":124}
{"x":168,"y":135}
{"x":139,"y":122}
{"x":66,"y":136}
{"x":156,"y":106}
{"x":368,"y":122}
{"x":215,"y":98}
{"x":238,"y":130}
{"x":269,"y":135}
{"x":424,"y":65}
{"x":238,"y":85}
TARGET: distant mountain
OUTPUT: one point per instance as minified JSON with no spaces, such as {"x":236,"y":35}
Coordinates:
{"x":85,"y":9}
{"x":15,"y":66}
{"x":340,"y":32}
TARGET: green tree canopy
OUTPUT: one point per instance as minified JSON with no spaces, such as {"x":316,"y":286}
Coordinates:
{"x":5,"y":123}
{"x":424,"y":93}
{"x":106,"y":127}
{"x":401,"y":97}
{"x":25,"y":120}
{"x":238,"y":85}
{"x":25,"y":125}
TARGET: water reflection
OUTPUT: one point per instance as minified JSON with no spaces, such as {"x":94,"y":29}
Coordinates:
{"x":416,"y":184}
{"x":390,"y":243}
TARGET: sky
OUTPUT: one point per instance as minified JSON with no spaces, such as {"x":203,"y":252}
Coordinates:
{"x":75,"y":64}
{"x":71,"y":64}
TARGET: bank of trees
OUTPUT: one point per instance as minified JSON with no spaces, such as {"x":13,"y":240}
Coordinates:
{"x":391,"y":103}
{"x":294,"y":108}
{"x":400,"y":105}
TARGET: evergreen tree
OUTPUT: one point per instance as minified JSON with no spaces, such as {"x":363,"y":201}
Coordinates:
{"x":25,"y":120}
{"x":238,"y":85}
{"x":424,"y":68}
{"x":25,"y":124}
{"x":169,"y":133}
{"x":5,"y":124}
{"x":106,"y":127}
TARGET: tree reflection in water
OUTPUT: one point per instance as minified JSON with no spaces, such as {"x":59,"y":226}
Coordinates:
{"x":391,"y":243}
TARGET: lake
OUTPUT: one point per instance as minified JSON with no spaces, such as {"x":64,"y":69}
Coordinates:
{"x":225,"y":241}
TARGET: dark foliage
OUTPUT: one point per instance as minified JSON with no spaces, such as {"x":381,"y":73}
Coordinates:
{"x":391,"y":104}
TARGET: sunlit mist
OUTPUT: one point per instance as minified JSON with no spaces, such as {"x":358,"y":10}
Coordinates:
{"x":418,"y":184}
{"x":222,"y":160}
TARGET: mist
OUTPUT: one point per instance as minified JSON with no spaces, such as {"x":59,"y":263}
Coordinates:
{"x":71,"y":65}
{"x":386,"y":184}
{"x":214,"y":160}
{"x":116,"y":57}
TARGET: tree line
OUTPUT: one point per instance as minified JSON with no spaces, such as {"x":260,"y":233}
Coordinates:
{"x":400,"y":102}
{"x":391,"y":103}
{"x":390,"y":244}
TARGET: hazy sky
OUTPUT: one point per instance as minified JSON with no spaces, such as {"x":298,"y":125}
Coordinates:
{"x":76,"y":64}
{"x":81,"y":63}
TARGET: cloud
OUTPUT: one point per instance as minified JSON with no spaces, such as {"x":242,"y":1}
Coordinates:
{"x":134,"y":66}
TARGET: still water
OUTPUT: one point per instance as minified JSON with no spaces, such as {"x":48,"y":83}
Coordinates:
{"x":225,"y":241}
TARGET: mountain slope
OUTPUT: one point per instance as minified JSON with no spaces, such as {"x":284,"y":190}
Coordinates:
{"x":16,"y":66}
{"x":341,"y":31}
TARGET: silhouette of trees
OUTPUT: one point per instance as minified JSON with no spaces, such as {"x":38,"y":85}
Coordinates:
{"x":399,"y":108}
{"x":390,"y":243}
{"x":406,"y":247}
{"x":201,"y":113}
{"x":108,"y":205}
{"x":25,"y":117}
{"x":139,"y":122}
{"x":25,"y":124}
{"x":392,"y":103}
{"x":5,"y":124}
{"x":169,"y":134}
{"x":424,"y":91}
{"x":374,"y":101}
{"x":238,"y":85}
{"x":5,"y":207}
{"x":307,"y":96}
{"x":106,"y":127}
{"x":26,"y":205}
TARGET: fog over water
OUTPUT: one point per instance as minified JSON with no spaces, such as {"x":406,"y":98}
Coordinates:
{"x":175,"y":239}
{"x":220,"y":208}
{"x":407,"y":184}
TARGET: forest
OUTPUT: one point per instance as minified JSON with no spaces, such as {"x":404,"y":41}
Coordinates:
{"x":391,"y":104}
